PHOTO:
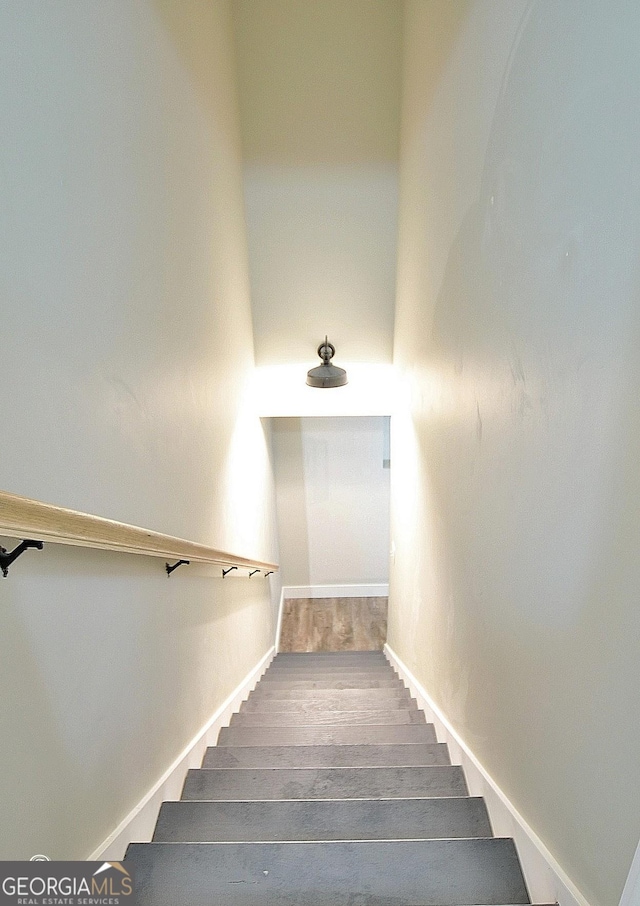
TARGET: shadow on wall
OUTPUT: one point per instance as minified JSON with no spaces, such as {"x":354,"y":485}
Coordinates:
{"x":319,"y":83}
{"x":192,"y":26}
{"x":437,"y":46}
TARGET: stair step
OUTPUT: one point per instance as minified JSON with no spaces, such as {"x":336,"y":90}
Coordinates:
{"x":323,"y":669}
{"x":326,"y":756}
{"x":381,"y":694}
{"x":333,"y":658}
{"x":337,"y":681}
{"x":317,"y":819}
{"x":325,"y":783}
{"x":395,"y":717}
{"x":404,"y":873}
{"x":344,"y":654}
{"x":326,"y":736}
{"x":352,"y":680}
{"x":341,"y":702}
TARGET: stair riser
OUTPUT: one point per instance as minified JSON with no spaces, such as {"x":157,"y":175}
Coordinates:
{"x":325,"y":736}
{"x":325,"y":756}
{"x":427,"y":873}
{"x":325,"y":783}
{"x":326,"y":718}
{"x":388,"y":819}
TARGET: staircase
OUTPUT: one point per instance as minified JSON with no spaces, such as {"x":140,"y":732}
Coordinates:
{"x":327,"y":789}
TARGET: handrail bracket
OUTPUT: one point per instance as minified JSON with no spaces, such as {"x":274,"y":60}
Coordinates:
{"x":170,"y":569}
{"x":6,"y":558}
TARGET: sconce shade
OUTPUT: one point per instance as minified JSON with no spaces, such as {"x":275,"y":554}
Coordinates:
{"x":326,"y":375}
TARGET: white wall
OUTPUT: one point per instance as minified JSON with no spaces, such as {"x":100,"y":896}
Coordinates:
{"x":126,"y":348}
{"x":515,"y":497}
{"x":319,"y":88}
{"x":332,"y":494}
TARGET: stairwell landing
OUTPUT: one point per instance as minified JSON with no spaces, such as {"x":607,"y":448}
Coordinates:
{"x":328,"y":788}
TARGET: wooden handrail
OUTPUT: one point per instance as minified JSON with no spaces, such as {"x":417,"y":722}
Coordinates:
{"x":21,"y":517}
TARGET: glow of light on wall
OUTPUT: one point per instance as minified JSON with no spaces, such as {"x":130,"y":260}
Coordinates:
{"x":246,"y":478}
{"x":281,"y":391}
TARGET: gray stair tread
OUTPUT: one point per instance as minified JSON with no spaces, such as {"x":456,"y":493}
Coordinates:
{"x":370,"y":669}
{"x":378,"y":819}
{"x":358,"y":681}
{"x":363,"y":734}
{"x":325,"y":783}
{"x":381,"y":674}
{"x":304,"y":662}
{"x":289,"y":657}
{"x":379,"y":694}
{"x":343,"y":654}
{"x":326,"y":756}
{"x":405,"y":873}
{"x":316,"y":667}
{"x":312,"y":718}
{"x":344,"y":702}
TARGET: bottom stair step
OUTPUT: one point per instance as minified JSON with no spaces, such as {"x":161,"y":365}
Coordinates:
{"x":407,"y":873}
{"x":307,"y":820}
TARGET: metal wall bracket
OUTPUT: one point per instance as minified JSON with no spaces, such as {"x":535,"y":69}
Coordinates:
{"x":6,"y":559}
{"x":225,"y":571}
{"x":170,"y":569}
{"x":270,"y":573}
{"x":253,"y":572}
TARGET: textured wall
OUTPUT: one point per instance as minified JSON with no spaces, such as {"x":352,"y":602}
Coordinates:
{"x":126,"y":331}
{"x":515,"y":487}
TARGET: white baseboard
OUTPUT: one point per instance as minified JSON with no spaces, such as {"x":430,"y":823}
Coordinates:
{"x":279,"y":623}
{"x":546,"y":880}
{"x":139,"y":824}
{"x":380,"y":590}
{"x":631,"y":893}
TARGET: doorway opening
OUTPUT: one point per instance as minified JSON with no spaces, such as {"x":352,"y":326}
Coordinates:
{"x":332,"y":495}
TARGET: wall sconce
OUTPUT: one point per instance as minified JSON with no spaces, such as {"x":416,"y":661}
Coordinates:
{"x":326,"y":375}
